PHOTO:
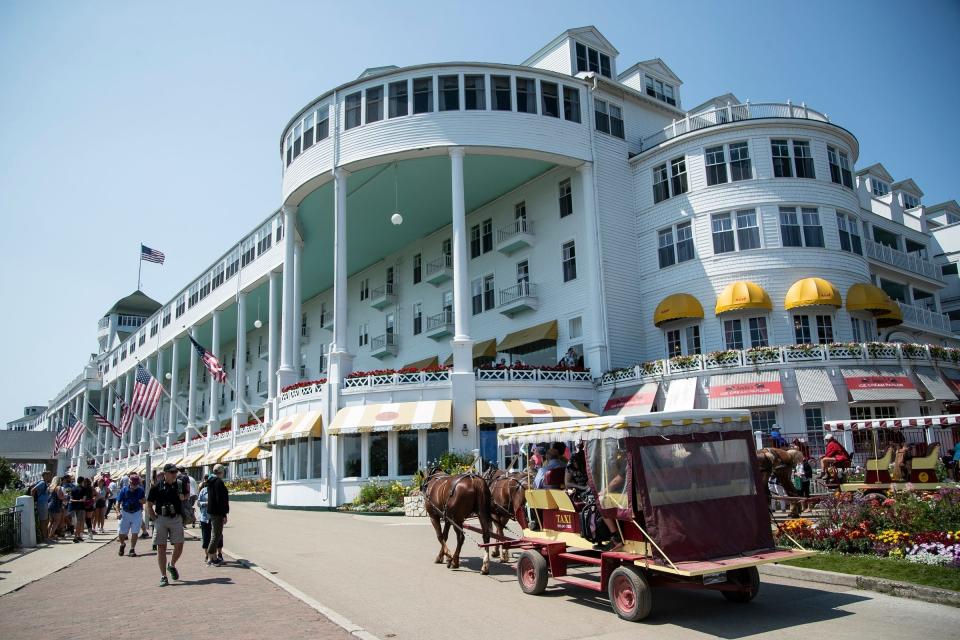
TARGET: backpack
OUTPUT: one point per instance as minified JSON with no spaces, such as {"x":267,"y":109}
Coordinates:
{"x":127,"y":500}
{"x":592,"y":526}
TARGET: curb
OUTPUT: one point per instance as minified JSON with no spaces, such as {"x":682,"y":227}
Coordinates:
{"x":880,"y":585}
{"x":316,"y":605}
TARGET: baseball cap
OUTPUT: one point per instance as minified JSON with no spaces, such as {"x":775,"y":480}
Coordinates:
{"x":828,"y":436}
{"x":170,"y":467}
{"x":219,"y":468}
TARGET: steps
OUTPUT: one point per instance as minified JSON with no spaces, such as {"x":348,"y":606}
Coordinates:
{"x":593,"y":585}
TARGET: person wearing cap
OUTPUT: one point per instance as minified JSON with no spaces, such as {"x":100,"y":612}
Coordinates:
{"x":834,"y":456}
{"x":166,"y":509}
{"x":218,"y":506}
{"x":130,"y":510}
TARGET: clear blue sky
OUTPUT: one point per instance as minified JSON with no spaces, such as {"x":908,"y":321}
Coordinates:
{"x":123,"y":122}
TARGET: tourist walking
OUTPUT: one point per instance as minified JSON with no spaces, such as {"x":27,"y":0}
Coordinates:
{"x":56,"y":505}
{"x":130,"y":509}
{"x":41,"y":494}
{"x":166,"y":509}
{"x":89,"y":506}
{"x":100,"y":504}
{"x":205,"y":521}
{"x":78,"y":500}
{"x":218,"y":506}
{"x":112,"y":490}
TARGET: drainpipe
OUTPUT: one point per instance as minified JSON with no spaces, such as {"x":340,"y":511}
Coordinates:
{"x":596,"y":208}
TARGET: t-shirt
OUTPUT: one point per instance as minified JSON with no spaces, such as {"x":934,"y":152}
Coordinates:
{"x":79,"y":493}
{"x":202,"y":503}
{"x":163,"y":494}
{"x":130,"y":498}
{"x":112,"y":489}
{"x":40,"y":492}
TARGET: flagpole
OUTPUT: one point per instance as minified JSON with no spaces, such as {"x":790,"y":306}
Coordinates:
{"x":140,"y":267}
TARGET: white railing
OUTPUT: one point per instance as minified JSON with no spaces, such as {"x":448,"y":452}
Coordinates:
{"x":385,"y":341}
{"x":518,"y":291}
{"x":299,"y":392}
{"x":103,"y":323}
{"x":439,"y":264}
{"x":440,"y":320}
{"x":873,"y":352}
{"x":384,"y":290}
{"x":908,"y":261}
{"x":518,"y":226}
{"x":533,"y":375}
{"x":731,"y":113}
{"x":920,"y":317}
{"x":397,"y":378}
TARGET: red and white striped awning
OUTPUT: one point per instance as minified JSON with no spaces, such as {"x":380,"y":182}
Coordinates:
{"x":951,"y":420}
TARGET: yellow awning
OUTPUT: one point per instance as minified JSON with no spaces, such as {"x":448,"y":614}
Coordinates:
{"x":242,"y":452}
{"x":298,"y":425}
{"x":679,"y":306}
{"x":811,"y":292}
{"x":423,"y":364}
{"x":264,"y":454}
{"x":192,"y":459}
{"x":486,"y":349}
{"x":392,"y":416}
{"x":891,"y":318}
{"x":741,"y":295}
{"x":213,"y":457}
{"x":869,"y":298}
{"x":530,"y":339}
{"x":528,"y":411}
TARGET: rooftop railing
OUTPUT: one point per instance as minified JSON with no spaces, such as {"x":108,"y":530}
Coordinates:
{"x":925,"y":318}
{"x":908,"y":261}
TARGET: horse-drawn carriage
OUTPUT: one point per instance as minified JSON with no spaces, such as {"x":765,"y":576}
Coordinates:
{"x":681,"y":492}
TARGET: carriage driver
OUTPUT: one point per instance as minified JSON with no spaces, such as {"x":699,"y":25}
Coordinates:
{"x":834,"y":456}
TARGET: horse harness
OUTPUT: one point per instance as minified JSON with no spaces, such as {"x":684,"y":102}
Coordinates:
{"x":515,"y":484}
{"x":453,"y":487}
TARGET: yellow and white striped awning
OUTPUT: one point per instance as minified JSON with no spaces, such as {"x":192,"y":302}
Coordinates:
{"x":192,"y":459}
{"x":242,"y":452}
{"x":213,"y":457}
{"x":298,"y":425}
{"x":529,"y":411}
{"x":392,"y":416}
{"x":641,"y":425}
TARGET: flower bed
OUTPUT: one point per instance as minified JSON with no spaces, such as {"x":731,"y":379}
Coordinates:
{"x":306,"y":383}
{"x":379,"y":497}
{"x":259,"y":485}
{"x":389,"y":372}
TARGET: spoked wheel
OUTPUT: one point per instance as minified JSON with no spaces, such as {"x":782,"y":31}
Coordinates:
{"x":749,"y":578}
{"x":532,"y":572}
{"x":630,"y":594}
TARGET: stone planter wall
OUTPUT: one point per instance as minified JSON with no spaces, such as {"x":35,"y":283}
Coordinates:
{"x":413,"y":507}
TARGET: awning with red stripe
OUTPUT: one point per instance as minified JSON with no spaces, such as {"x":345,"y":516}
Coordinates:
{"x":631,"y":400}
{"x":743,"y":390}
{"x":950,"y":420}
{"x":882,"y":383}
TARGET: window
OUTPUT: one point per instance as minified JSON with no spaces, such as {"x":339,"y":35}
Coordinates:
{"x":569,"y":257}
{"x":675,"y":244}
{"x":520,"y":215}
{"x":895,"y":290}
{"x":678,"y":176}
{"x":352,"y":111}
{"x":316,"y":449}
{"x":723,"y":241}
{"x":526,"y":95}
{"x":476,"y":295}
{"x":374,"y":97}
{"x":417,"y":318}
{"x":886,"y":238}
{"x":166,"y":316}
{"x":674,"y":347}
{"x":856,"y":326}
{"x":204,"y":286}
{"x":217,"y":276}
{"x":502,"y":96}
{"x":323,"y":131}
{"x":910,"y":201}
{"x":474,"y":93}
{"x":351,"y":455}
{"x":289,"y":147}
{"x":407,"y":462}
{"x":264,"y":239}
{"x":549,"y":99}
{"x":740,"y":168}
{"x":181,"y":304}
{"x":233,"y":262}
{"x":194,"y":295}
{"x":308,"y":131}
{"x":417,"y":268}
{"x":763,"y":420}
{"x":601,"y":116}
{"x":398,"y":99}
{"x":659,"y":90}
{"x":802,"y":159}
{"x":812,"y":231}
{"x":487,"y":235}
{"x":733,"y":334}
{"x":566,"y":198}
{"x":824,"y":329}
{"x":791,"y":234}
{"x":248,"y":251}
{"x":801,"y":329}
{"x":363,"y":333}
{"x":748,"y":231}
{"x":422,"y":95}
{"x":571,"y":104}
{"x":758,"y":332}
{"x":661,"y":185}
{"x":616,"y":121}
{"x":364,"y":289}
{"x":589,"y":59}
{"x":297,"y":140}
{"x":474,"y":241}
{"x":878,"y":187}
{"x":949,"y":269}
{"x":449,"y":93}
{"x":692,"y":339}
{"x":489,"y":292}
{"x":848,"y":227}
{"x":438,"y":442}
{"x":839,"y":167}
{"x":716,"y":162}
{"x":523,"y":271}
{"x":781,"y":159}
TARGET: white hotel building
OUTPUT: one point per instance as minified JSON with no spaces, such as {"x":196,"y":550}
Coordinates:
{"x":728,"y":255}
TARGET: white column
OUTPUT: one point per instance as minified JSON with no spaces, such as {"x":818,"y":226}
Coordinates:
{"x":113,"y":415}
{"x":174,"y":384}
{"x":213,"y":414}
{"x":127,"y":393}
{"x":85,"y":417}
{"x":102,"y":432}
{"x":297,"y":307}
{"x":595,"y":348}
{"x":340,"y":358}
{"x":192,"y":389}
{"x":75,"y":452}
{"x":286,"y":374}
{"x":240,"y":377}
{"x":162,"y":380}
{"x":273,"y":339}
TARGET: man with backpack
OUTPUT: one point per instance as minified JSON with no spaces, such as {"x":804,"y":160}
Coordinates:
{"x":130,"y":508}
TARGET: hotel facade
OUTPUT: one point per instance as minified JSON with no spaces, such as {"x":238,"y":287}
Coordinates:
{"x":464,"y":246}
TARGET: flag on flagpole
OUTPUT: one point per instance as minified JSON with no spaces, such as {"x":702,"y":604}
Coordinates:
{"x":210,"y":362}
{"x":103,"y":422}
{"x":126,"y":415}
{"x":60,"y":442}
{"x":151,"y":255}
{"x":74,"y":431}
{"x":146,"y":393}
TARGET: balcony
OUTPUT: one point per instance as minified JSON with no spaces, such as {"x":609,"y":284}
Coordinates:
{"x":384,"y":346}
{"x":439,"y":270}
{"x":393,"y":378}
{"x":263,"y":352}
{"x":730,"y":113}
{"x":515,"y":236}
{"x":440,"y":326}
{"x":906,"y":261}
{"x":262,"y":388}
{"x":326,"y":320}
{"x":518,"y":298}
{"x":383,"y":296}
{"x":922,"y":318}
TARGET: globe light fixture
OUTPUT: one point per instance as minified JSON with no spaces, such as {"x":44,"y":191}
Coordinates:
{"x":257,"y":323}
{"x":396,"y":218}
{"x":168,"y":376}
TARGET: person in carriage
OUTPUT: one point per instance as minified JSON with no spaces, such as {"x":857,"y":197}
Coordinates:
{"x":835,"y":456}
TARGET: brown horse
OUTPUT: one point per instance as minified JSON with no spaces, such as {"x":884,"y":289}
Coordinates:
{"x":780,"y":463}
{"x":453,"y":499}
{"x":507,"y":499}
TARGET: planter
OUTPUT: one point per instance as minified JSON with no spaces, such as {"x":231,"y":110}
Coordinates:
{"x":413,"y":507}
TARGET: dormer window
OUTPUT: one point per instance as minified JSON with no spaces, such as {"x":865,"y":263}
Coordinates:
{"x":879,"y":187}
{"x":589,"y":59}
{"x":910,"y":201}
{"x":660,"y":90}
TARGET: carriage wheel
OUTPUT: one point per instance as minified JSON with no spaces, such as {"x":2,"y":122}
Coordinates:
{"x":748,"y":577}
{"x":630,"y":594}
{"x":532,"y":572}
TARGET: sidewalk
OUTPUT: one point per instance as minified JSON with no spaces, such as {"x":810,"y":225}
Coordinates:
{"x":230,"y":600}
{"x":24,"y":566}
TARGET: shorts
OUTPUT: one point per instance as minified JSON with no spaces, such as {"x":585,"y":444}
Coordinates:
{"x":42,"y":510}
{"x":168,"y":528}
{"x":130,"y":522}
{"x":101,"y":504}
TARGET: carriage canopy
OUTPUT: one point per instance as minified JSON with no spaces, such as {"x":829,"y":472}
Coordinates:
{"x":951,"y":420}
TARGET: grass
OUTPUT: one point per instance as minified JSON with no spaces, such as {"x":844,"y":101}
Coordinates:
{"x":9,"y":497}
{"x":888,"y":568}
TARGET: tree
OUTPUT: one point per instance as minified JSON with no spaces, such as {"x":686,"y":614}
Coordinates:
{"x":7,"y":475}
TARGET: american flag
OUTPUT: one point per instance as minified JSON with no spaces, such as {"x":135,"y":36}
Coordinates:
{"x":210,"y":362}
{"x":103,"y":422}
{"x":60,"y":442}
{"x":126,"y":415}
{"x":151,"y":255}
{"x":74,"y":431}
{"x":146,"y":393}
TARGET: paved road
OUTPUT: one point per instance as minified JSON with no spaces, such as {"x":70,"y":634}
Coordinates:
{"x":378,"y":572}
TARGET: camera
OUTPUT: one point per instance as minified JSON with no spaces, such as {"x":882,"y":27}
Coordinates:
{"x":168,"y":511}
